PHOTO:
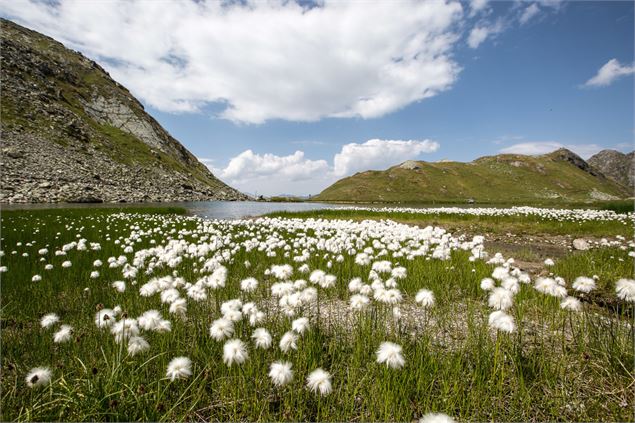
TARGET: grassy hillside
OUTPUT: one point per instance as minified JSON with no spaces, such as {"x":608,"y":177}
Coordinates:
{"x":554,"y":177}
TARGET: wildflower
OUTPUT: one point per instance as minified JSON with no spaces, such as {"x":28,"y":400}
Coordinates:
{"x":137,"y":344}
{"x":169,"y":295}
{"x":425,"y":297}
{"x":63,"y":335}
{"x":571,"y":304}
{"x":179,"y":307}
{"x":221,"y":328}
{"x":355,"y":285}
{"x":124,"y":329}
{"x":280,"y":373}
{"x":49,"y":320}
{"x":288,"y":342}
{"x":234,"y":351}
{"x":42,"y":251}
{"x":120,"y":286}
{"x":319,"y":381}
{"x":487,"y":284}
{"x":390,"y":354}
{"x":625,"y":290}
{"x":359,"y":302}
{"x":149,"y":320}
{"x":66,"y":264}
{"x":549,"y":262}
{"x":261,"y":338}
{"x":300,"y":325}
{"x":249,"y":284}
{"x":511,"y":284}
{"x":38,"y":376}
{"x":105,"y":318}
{"x":97,"y":263}
{"x":584,"y":284}
{"x":436,"y":418}
{"x":179,"y":368}
{"x":48,"y":267}
{"x":500,"y":273}
{"x":328,"y":281}
{"x":36,"y":278}
{"x":500,"y":299}
{"x":95,"y":274}
{"x":501,"y":321}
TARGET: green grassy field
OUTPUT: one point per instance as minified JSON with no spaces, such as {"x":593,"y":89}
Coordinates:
{"x":557,"y":365}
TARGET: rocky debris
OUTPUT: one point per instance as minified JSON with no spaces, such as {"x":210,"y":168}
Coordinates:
{"x":617,"y":166}
{"x":72,"y":134}
{"x":410,"y":165}
{"x":580,"y":244}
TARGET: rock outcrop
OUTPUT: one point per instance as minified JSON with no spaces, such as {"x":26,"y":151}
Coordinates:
{"x":70,"y":133}
{"x":617,"y":166}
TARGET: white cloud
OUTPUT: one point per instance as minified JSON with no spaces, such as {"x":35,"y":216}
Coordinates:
{"x":270,"y":174}
{"x":378,"y":154}
{"x":482,"y":32}
{"x":529,"y":12}
{"x":608,"y":73}
{"x":543,"y":147}
{"x":478,"y":5}
{"x":262,"y":60}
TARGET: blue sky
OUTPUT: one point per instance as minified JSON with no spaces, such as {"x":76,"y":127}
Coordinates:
{"x":480,"y":78}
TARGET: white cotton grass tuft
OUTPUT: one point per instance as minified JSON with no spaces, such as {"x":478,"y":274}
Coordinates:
{"x":584,"y":284}
{"x":221,"y":329}
{"x":487,"y":284}
{"x":288,"y":342}
{"x":179,"y":368}
{"x":120,"y":286}
{"x":319,"y":382}
{"x":502,"y":321}
{"x":149,"y":320}
{"x":436,"y":418}
{"x":234,"y":351}
{"x":359,"y":302}
{"x":425,"y":297}
{"x":64,"y":334}
{"x":105,"y":318}
{"x":249,"y":285}
{"x":38,"y":376}
{"x":500,"y":299}
{"x":625,"y":290}
{"x":549,"y":262}
{"x":300,"y":325}
{"x":49,"y":320}
{"x":280,"y":373}
{"x":137,"y":344}
{"x":390,"y":354}
{"x":571,"y":304}
{"x":262,"y":338}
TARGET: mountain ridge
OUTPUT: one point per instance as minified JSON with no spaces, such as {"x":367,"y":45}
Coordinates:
{"x":70,"y":133}
{"x":616,"y":165}
{"x":557,"y":176}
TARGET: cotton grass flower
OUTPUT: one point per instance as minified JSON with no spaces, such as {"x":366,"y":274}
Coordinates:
{"x":38,"y":376}
{"x":221,"y":328}
{"x":584,"y":284}
{"x":36,"y":278}
{"x":234,"y":351}
{"x":120,"y":286}
{"x":425,"y":297}
{"x":179,"y":368}
{"x":105,"y":318}
{"x":625,"y":290}
{"x":319,"y":382}
{"x":487,"y":284}
{"x":501,"y":321}
{"x":571,"y":304}
{"x":262,"y":338}
{"x":49,"y":320}
{"x":137,"y":344}
{"x":280,"y":373}
{"x":389,"y":353}
{"x":500,"y":299}
{"x":288,"y":342}
{"x":300,"y":325}
{"x":436,"y":418}
{"x":64,"y":334}
{"x":359,"y":302}
{"x":249,"y":285}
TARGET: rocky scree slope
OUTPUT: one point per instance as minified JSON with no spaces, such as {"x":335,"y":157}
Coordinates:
{"x":617,"y":166}
{"x":560,"y":176}
{"x":72,"y":134}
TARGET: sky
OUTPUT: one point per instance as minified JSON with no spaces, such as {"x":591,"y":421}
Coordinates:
{"x":280,"y":97}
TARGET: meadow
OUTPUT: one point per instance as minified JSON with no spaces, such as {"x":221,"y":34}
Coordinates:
{"x":336,"y":315}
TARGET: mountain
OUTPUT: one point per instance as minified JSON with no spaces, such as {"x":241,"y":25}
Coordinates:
{"x":71,"y":133}
{"x":558,"y":176}
{"x":617,"y":166}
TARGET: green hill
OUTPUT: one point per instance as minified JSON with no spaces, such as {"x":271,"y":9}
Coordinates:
{"x":554,"y":177}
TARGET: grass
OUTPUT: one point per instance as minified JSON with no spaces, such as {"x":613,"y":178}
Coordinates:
{"x":474,"y":224}
{"x":557,"y":366}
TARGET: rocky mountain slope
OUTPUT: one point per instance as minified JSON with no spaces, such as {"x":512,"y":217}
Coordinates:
{"x":557,"y":176}
{"x":71,"y":133}
{"x":617,"y":166}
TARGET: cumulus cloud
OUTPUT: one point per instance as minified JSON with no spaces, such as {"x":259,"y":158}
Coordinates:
{"x":543,"y":147}
{"x":270,"y":174}
{"x":478,"y":5}
{"x":528,"y":13}
{"x":608,"y":73}
{"x":378,"y":154}
{"x":480,"y":33}
{"x":262,"y":60}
